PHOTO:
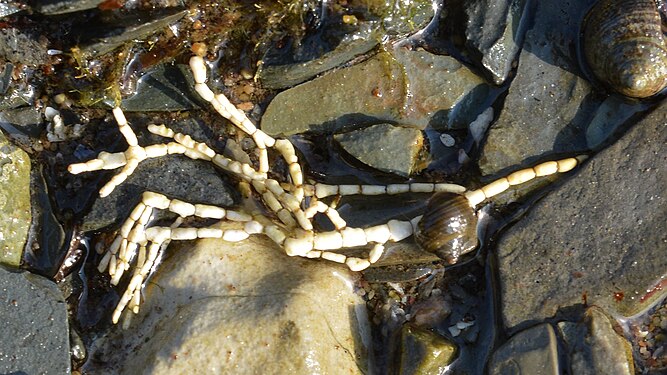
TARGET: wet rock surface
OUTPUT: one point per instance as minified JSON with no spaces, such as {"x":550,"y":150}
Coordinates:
{"x":549,"y":103}
{"x":35,"y":332}
{"x":405,"y":86}
{"x":15,"y":202}
{"x":495,"y":31}
{"x":596,"y":239}
{"x":594,"y":347}
{"x":371,"y":145}
{"x":533,"y":351}
{"x":242,"y":308}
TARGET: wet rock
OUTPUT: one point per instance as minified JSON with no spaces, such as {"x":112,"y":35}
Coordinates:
{"x":533,"y":351}
{"x":598,"y":238}
{"x":548,"y":105}
{"x":35,"y":338}
{"x":176,"y":176}
{"x":594,"y":347}
{"x":274,"y":75}
{"x":215,"y":306}
{"x":137,"y":27}
{"x":14,"y":201}
{"x":165,"y":88}
{"x":443,"y":94}
{"x":424,"y":352}
{"x":372,"y":144}
{"x":46,"y":237}
{"x":372,"y":90}
{"x":18,"y":47}
{"x":52,"y":7}
{"x":495,"y":31}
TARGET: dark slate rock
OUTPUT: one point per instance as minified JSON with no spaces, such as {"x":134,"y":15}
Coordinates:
{"x":600,"y":233}
{"x":371,"y":146}
{"x":52,"y":7}
{"x":594,"y":347}
{"x":165,"y":88}
{"x":19,"y":47}
{"x":548,"y":105}
{"x":533,"y":351}
{"x":495,"y":31}
{"x":34,"y":329}
{"x":176,"y":176}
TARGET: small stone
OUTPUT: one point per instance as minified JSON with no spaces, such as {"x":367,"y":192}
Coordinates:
{"x":424,"y":352}
{"x":373,"y":145}
{"x":594,"y":347}
{"x":532,"y":351}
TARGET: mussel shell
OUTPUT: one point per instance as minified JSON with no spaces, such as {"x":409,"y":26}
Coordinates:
{"x":625,"y":48}
{"x":448,"y":228}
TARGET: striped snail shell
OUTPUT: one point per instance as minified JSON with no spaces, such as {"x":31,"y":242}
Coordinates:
{"x":625,"y":48}
{"x":448,"y":228}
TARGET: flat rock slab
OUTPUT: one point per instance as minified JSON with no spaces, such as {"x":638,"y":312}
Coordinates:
{"x":371,"y":146}
{"x":533,"y":351}
{"x":404,"y":86}
{"x":599,"y":237}
{"x":34,"y":329}
{"x":242,"y":308}
{"x":547,"y":107}
{"x":15,"y":214}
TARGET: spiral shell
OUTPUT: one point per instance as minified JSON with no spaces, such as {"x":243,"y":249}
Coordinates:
{"x":625,"y":48}
{"x":448,"y":228}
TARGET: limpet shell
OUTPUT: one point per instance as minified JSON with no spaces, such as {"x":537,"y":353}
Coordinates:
{"x":625,"y":48}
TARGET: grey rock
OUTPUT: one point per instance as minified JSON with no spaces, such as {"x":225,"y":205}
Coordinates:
{"x":165,"y":88}
{"x":341,"y":97}
{"x":495,"y":31}
{"x":442,"y":93}
{"x":14,"y":201}
{"x":532,"y":351}
{"x":594,"y":347}
{"x":599,"y":233}
{"x":243,"y":307}
{"x":35,"y":337}
{"x":176,"y":176}
{"x":278,"y":76}
{"x":18,"y":47}
{"x":140,"y":30}
{"x":371,"y":146}
{"x":548,"y":105}
{"x":52,"y":7}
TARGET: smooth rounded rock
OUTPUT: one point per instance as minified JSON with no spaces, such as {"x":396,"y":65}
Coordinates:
{"x":245,"y":307}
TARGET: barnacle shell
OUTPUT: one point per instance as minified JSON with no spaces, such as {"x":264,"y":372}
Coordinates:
{"x":625,"y":48}
{"x":448,"y":228}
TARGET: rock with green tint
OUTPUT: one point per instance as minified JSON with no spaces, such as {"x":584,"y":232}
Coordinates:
{"x":14,"y":201}
{"x":424,"y":352}
{"x":372,"y":90}
{"x":371,"y":146}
